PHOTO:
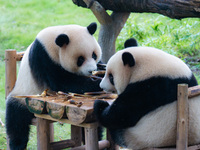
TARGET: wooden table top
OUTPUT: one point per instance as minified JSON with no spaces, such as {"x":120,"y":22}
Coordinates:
{"x":78,"y":108}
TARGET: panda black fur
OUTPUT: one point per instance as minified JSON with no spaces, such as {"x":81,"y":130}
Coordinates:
{"x":59,"y":59}
{"x":144,"y":114}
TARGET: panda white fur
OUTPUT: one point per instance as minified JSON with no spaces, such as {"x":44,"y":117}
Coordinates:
{"x":59,"y":59}
{"x":144,"y":114}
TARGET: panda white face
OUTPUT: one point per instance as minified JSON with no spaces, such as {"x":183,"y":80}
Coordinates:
{"x":82,"y":60}
{"x":73,"y":47}
{"x":118,"y":73}
{"x":80,"y":52}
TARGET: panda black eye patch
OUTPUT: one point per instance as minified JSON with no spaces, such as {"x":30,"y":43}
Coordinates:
{"x":111,"y":79}
{"x":80,"y":61}
{"x":94,"y":56}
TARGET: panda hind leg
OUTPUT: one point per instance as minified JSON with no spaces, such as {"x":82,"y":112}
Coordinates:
{"x":18,"y":119}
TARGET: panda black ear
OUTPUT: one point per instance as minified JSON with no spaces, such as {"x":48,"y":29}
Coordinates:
{"x":62,"y":39}
{"x":130,"y":42}
{"x":92,"y":28}
{"x":127,"y":58}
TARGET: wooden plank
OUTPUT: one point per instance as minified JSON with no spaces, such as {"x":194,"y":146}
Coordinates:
{"x":182,"y":117}
{"x":194,"y":147}
{"x":35,"y":105}
{"x":10,"y":66}
{"x":48,"y":117}
{"x":77,"y":115}
{"x":194,"y":91}
{"x":62,"y":106}
{"x":56,"y":110}
{"x":62,"y":144}
{"x":102,"y":145}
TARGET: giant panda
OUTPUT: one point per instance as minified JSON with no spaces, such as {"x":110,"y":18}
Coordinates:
{"x":144,"y":114}
{"x":60,"y":59}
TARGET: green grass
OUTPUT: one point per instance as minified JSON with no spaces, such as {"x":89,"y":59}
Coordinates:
{"x":2,"y":105}
{"x":178,"y":37}
{"x":21,"y":21}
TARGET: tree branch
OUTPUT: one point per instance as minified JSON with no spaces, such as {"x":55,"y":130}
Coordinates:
{"x":174,"y":9}
{"x":98,"y":11}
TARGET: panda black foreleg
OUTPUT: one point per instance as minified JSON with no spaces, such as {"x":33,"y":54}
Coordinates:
{"x":18,"y":119}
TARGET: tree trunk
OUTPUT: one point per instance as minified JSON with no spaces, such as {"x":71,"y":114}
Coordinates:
{"x":172,"y":8}
{"x":111,"y":26}
{"x":109,"y":32}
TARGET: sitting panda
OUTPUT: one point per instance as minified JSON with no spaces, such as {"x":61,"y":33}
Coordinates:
{"x":144,"y":114}
{"x":60,"y":59}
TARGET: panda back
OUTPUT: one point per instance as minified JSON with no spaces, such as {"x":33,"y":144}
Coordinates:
{"x":25,"y":83}
{"x":158,"y":128}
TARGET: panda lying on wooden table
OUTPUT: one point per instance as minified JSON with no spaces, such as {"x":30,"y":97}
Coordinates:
{"x":144,"y":114}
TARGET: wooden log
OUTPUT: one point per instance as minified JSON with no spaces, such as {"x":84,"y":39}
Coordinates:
{"x":10,"y":74}
{"x":194,"y":147}
{"x":182,"y":117}
{"x":101,"y":144}
{"x":56,"y":110}
{"x":10,"y":65}
{"x":76,"y":114}
{"x":43,"y":134}
{"x":48,"y":117}
{"x":35,"y":105}
{"x":76,"y":107}
{"x":194,"y":91}
{"x":51,"y":132}
{"x":62,"y":144}
{"x":76,"y":135}
{"x":91,"y":138}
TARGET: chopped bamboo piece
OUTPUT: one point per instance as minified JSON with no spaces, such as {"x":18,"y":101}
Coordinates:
{"x":96,"y":73}
{"x":44,"y":93}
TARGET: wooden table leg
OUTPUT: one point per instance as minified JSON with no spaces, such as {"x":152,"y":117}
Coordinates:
{"x":76,"y":135}
{"x":91,"y":138}
{"x":43,"y":134}
{"x":51,"y":128}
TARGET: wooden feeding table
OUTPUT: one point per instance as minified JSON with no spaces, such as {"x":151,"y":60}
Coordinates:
{"x":71,"y":108}
{"x":77,"y":108}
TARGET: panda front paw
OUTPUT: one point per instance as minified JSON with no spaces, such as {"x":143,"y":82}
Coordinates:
{"x":99,"y":107}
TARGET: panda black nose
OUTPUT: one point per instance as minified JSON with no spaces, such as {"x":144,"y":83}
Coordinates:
{"x":90,"y":72}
